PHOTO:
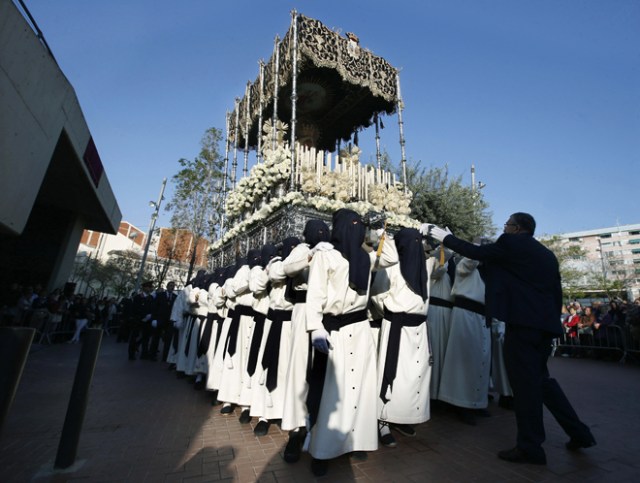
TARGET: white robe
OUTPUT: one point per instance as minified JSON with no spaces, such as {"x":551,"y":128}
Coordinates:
{"x":296,"y":266}
{"x":408,"y":399}
{"x":233,"y":383}
{"x":205,"y":362}
{"x":347,"y":416}
{"x":264,"y":403}
{"x":181,"y":362}
{"x":198,"y":303}
{"x":214,"y":377}
{"x":177,"y":316}
{"x":467,"y":362}
{"x":499,"y":377}
{"x":439,"y":320}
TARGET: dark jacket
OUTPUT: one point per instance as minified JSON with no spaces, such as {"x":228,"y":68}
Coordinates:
{"x":522,"y":280}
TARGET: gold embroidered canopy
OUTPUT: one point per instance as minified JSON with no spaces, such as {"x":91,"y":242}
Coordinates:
{"x":340,"y":87}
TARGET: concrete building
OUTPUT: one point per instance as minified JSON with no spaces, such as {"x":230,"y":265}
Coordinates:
{"x":612,"y":251}
{"x":53,"y":183}
{"x":168,"y":259}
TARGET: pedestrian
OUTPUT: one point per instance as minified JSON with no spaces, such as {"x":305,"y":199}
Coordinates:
{"x":523,"y":289}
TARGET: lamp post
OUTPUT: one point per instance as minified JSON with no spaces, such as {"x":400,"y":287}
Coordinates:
{"x":152,"y":225}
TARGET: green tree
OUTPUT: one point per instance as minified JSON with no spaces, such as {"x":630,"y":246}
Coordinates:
{"x":573,"y":277}
{"x":196,"y":204}
{"x":446,"y":201}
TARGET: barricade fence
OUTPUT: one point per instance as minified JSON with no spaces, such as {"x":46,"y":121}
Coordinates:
{"x":611,"y":341}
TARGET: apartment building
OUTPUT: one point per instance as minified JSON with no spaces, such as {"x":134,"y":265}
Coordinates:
{"x":614,"y":251}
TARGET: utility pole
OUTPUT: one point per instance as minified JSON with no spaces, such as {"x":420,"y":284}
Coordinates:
{"x":152,"y":226}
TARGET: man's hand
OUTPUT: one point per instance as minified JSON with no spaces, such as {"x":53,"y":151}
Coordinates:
{"x":154,"y":323}
{"x":438,"y":233}
{"x":425,"y":228}
{"x":320,"y":340}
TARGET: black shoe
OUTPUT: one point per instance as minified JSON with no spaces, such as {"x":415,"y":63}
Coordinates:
{"x":262,"y":428}
{"x":403,"y":429}
{"x":516,"y":455}
{"x":227,"y":409}
{"x":171,"y":367}
{"x":180,"y":375}
{"x":294,"y":446}
{"x":359,"y":455}
{"x":214,"y":399}
{"x":388,"y":440}
{"x":199,"y":386}
{"x":483,"y":413}
{"x":319,"y":467}
{"x":245,"y":417}
{"x":574,"y":444}
{"x":506,"y":402}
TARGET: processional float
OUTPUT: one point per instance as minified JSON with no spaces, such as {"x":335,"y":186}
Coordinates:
{"x":302,"y":116}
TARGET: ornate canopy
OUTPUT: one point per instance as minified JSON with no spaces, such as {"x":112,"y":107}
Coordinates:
{"x":340,"y":87}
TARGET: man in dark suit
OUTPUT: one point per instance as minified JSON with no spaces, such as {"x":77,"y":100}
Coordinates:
{"x":141,"y":313}
{"x":164,"y":326}
{"x":523,"y":289}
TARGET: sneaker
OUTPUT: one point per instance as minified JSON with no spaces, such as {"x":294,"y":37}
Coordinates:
{"x":245,"y":417}
{"x":516,"y":455}
{"x":262,"y":428}
{"x":388,"y":440}
{"x":403,"y":429}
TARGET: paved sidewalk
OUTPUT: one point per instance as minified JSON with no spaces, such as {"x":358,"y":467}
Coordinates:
{"x":145,"y":425}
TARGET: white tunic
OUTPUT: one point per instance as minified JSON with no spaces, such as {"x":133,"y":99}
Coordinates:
{"x":177,"y":316}
{"x":234,"y":367}
{"x":499,"y":377}
{"x":347,"y":417}
{"x":264,"y":403}
{"x":467,"y":362}
{"x":181,"y":362}
{"x":296,"y":266}
{"x":214,"y":378}
{"x":205,"y":362}
{"x":408,"y":399}
{"x":439,"y":323}
{"x":198,"y":303}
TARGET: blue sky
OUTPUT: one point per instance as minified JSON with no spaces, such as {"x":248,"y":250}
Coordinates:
{"x":543,"y":97}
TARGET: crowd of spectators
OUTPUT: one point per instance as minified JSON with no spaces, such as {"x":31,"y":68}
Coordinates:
{"x":64,"y":315}
{"x":600,"y":330}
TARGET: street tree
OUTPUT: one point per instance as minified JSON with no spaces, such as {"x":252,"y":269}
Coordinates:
{"x":572,"y":269}
{"x":446,"y":201}
{"x":197,"y":203}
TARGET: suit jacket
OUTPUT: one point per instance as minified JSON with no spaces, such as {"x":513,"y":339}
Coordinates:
{"x":164,"y":304}
{"x":522,"y":279}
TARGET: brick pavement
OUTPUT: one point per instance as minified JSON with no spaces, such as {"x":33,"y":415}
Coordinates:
{"x":145,"y":425}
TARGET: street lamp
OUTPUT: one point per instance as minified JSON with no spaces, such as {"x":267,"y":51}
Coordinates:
{"x":152,"y":225}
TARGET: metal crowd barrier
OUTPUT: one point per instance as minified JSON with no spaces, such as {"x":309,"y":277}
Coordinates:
{"x":612,"y":339}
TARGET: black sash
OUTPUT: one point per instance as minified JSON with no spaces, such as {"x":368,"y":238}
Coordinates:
{"x":437,"y":301}
{"x":398,"y":321}
{"x":256,"y":338}
{"x":470,"y":305}
{"x":319,"y":364}
{"x":207,"y":330}
{"x":232,"y":335}
{"x":375,"y":323}
{"x":220,"y":320}
{"x":190,"y":320}
{"x":272,"y":347}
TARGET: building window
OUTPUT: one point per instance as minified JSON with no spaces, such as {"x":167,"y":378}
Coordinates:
{"x":636,"y":251}
{"x":636,"y":232}
{"x":607,"y":244}
{"x":635,"y":241}
{"x":606,"y":235}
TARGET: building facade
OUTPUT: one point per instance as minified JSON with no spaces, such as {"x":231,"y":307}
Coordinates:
{"x":614,"y":252}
